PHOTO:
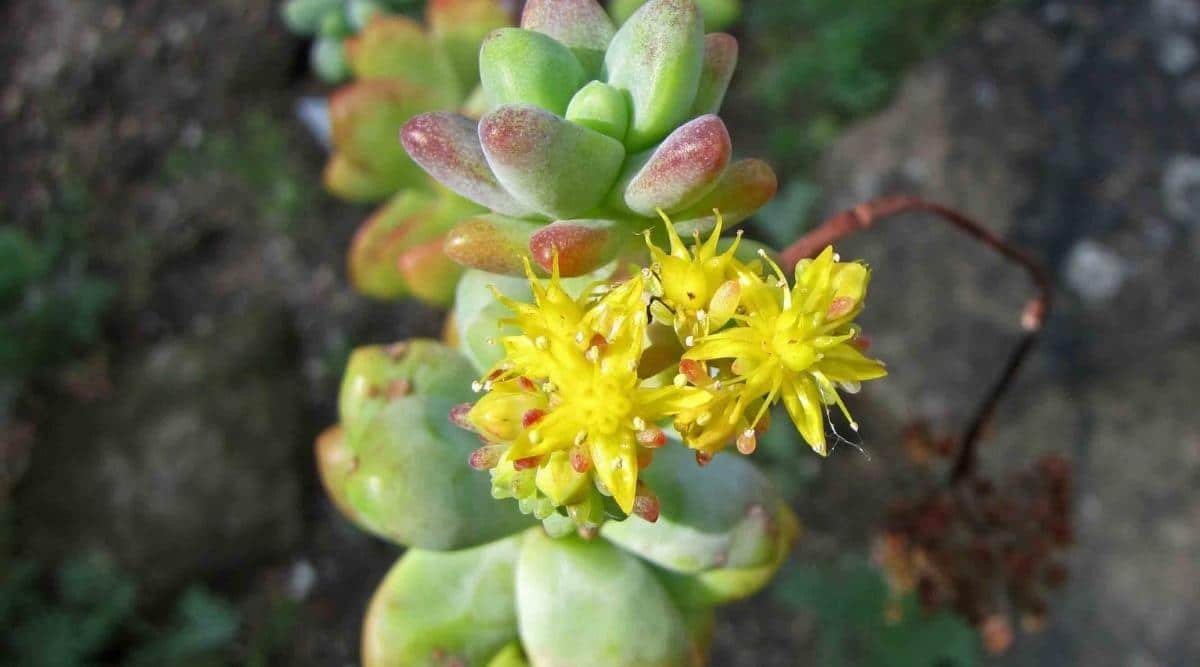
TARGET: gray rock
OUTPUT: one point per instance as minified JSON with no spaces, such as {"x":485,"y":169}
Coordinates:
{"x":1094,"y":272}
{"x":1181,"y":188}
{"x":1177,"y":54}
{"x":1063,"y":156}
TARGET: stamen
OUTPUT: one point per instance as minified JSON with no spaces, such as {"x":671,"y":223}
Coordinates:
{"x":646,"y":505}
{"x":486,"y":457}
{"x":653,"y":437}
{"x":747,"y":441}
{"x":692,"y":370}
{"x":458,"y":416}
{"x":531,"y":417}
{"x":580,"y":461}
{"x":527,"y":463}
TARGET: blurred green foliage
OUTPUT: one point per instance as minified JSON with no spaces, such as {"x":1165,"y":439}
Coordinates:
{"x":835,"y":60}
{"x":85,"y":614}
{"x":860,"y":624}
{"x":821,"y":65}
{"x":50,"y":306}
{"x":255,"y":155}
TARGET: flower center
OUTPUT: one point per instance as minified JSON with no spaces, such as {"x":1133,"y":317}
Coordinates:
{"x":794,"y":349}
{"x":603,"y":406}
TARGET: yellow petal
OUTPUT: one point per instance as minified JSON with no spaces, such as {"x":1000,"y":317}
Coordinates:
{"x":844,"y":363}
{"x":615,"y":463}
{"x":803,"y":403}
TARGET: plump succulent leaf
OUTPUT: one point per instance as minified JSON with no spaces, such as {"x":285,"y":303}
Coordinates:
{"x":720,"y":60}
{"x":718,"y":14}
{"x":581,"y":25}
{"x":335,"y":462}
{"x":723,"y":523}
{"x":365,"y":119}
{"x":492,"y":243}
{"x":398,"y":250}
{"x":459,"y":26}
{"x":579,"y":246}
{"x":684,"y":167}
{"x":478,"y":315}
{"x":304,"y":17}
{"x":560,"y":169}
{"x":397,"y":47}
{"x":430,"y":275}
{"x":518,"y":66}
{"x":410,"y":482}
{"x":600,"y":107}
{"x":354,"y":182}
{"x":447,"y":147}
{"x":360,"y":12}
{"x":657,"y":56}
{"x":327,"y":56}
{"x":436,"y":608}
{"x":588,"y":604}
{"x":744,"y":188}
{"x":509,"y":656}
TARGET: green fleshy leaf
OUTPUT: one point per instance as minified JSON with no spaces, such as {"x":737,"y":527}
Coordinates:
{"x":580,"y":25}
{"x":510,"y":656}
{"x":328,"y":60}
{"x":554,"y":166}
{"x":365,"y":119}
{"x":389,"y":257}
{"x":519,"y":66}
{"x":600,"y":107}
{"x":411,"y":482}
{"x":304,"y":17}
{"x":588,"y":604}
{"x":723,"y":526}
{"x":396,"y":47}
{"x":460,"y":26}
{"x":435,"y":608}
{"x":657,"y":57}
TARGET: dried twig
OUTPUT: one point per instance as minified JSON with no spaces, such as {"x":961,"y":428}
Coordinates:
{"x":865,"y":215}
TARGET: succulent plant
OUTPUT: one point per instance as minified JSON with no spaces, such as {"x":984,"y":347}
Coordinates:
{"x":622,"y":537}
{"x":484,"y":585}
{"x":401,"y":68}
{"x":329,"y":22}
{"x":718,"y":14}
{"x":589,"y":131}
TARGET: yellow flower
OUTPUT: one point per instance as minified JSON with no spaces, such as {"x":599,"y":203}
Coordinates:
{"x":695,"y":291}
{"x":794,"y":344}
{"x":566,"y":400}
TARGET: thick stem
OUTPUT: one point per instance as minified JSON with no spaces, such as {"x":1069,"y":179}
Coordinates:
{"x":865,"y":215}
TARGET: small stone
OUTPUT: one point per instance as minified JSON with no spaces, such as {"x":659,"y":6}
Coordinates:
{"x":1094,"y":272}
{"x":1181,"y":188}
{"x":1177,"y":54}
{"x":301,"y":579}
{"x":1177,"y":13}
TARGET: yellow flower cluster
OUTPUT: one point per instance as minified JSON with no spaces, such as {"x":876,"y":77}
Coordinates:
{"x":699,"y":340}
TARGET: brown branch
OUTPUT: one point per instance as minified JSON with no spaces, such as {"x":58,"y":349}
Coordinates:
{"x":865,"y":215}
